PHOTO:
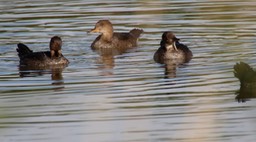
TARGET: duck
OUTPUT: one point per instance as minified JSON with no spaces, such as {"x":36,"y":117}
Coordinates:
{"x":44,"y":58}
{"x":110,"y":39}
{"x":171,"y":50}
{"x":245,"y":73}
{"x":247,"y":77}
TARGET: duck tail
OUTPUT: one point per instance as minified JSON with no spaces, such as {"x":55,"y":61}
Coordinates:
{"x":23,"y":50}
{"x":242,"y":70}
{"x":136,"y":32}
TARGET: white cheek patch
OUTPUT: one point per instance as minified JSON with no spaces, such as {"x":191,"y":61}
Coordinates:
{"x":173,"y":46}
{"x":169,"y":47}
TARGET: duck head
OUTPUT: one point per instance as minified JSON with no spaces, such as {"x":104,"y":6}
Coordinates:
{"x":55,"y":46}
{"x":104,"y":27}
{"x":169,"y":40}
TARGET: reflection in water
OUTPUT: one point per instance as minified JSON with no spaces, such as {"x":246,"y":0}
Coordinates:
{"x":57,"y":76}
{"x":170,"y":70}
{"x":107,"y":59}
{"x":171,"y":67}
{"x":55,"y":71}
{"x":247,"y":78}
{"x":107,"y":65}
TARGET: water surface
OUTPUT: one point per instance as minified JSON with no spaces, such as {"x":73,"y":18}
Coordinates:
{"x":127,"y":97}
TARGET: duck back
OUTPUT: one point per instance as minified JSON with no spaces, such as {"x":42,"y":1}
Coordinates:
{"x":118,"y":40}
{"x":136,"y":33}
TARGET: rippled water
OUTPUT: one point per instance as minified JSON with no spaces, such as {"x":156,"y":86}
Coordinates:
{"x":127,"y":97}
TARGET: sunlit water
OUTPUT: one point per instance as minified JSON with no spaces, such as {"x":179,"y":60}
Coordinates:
{"x":129,"y":97}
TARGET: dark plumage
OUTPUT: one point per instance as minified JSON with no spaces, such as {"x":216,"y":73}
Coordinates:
{"x":45,"y":58}
{"x":111,"y":39}
{"x":55,"y":46}
{"x":245,"y":73}
{"x":171,"y":49}
{"x":247,"y":77}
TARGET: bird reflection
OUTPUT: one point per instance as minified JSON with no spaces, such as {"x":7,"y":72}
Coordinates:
{"x":171,"y":68}
{"x":247,"y":78}
{"x":107,"y":63}
{"x":55,"y":71}
{"x":107,"y":59}
{"x":56,"y":76}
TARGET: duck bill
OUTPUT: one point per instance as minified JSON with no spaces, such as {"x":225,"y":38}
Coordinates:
{"x":176,"y":39}
{"x":93,"y":31}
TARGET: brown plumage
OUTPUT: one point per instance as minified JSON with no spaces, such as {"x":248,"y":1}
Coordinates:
{"x":55,"y":46}
{"x":45,"y":58}
{"x":172,"y":49}
{"x":111,"y":39}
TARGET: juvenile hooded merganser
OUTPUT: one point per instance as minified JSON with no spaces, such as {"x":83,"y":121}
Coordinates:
{"x":111,"y":39}
{"x":171,"y":49}
{"x":45,"y":58}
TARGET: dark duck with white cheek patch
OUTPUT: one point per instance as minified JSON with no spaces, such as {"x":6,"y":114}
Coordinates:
{"x":55,"y":46}
{"x":45,"y":58}
{"x":111,"y":39}
{"x":172,"y":49}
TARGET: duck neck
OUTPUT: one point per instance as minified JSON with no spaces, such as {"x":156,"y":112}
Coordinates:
{"x":107,"y":34}
{"x":168,"y":46}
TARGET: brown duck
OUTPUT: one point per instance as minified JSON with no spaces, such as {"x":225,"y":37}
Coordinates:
{"x":111,"y":39}
{"x":45,"y":58}
{"x":172,"y":49}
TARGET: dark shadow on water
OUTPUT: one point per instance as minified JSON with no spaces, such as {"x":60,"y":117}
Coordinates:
{"x":55,"y":71}
{"x":247,"y":78}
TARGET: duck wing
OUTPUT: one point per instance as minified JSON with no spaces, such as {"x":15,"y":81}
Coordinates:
{"x":188,"y":53}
